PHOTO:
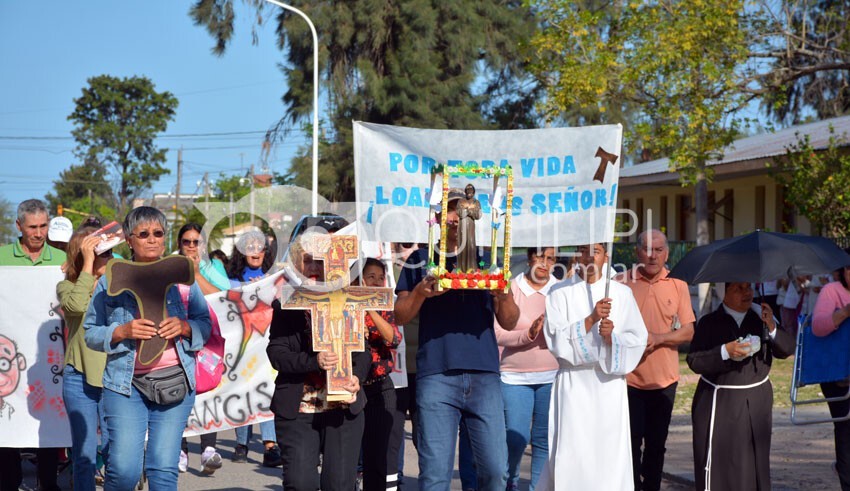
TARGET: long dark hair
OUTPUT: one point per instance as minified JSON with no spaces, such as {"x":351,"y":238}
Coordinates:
{"x":238,"y":263}
{"x":185,"y":228}
{"x":841,"y":271}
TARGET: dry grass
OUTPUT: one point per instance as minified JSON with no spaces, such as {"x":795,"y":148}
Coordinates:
{"x":780,"y":377}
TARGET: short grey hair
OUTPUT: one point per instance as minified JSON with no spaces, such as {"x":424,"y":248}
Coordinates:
{"x":252,"y":237}
{"x":30,"y":207}
{"x":143,"y":214}
{"x":653,"y":233}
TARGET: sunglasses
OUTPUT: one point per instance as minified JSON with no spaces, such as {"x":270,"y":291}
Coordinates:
{"x":107,"y":254}
{"x":188,"y":242}
{"x":144,"y":234}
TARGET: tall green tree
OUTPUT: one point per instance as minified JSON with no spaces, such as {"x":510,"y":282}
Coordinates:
{"x":83,"y":188}
{"x":8,"y":232}
{"x":116,"y":121}
{"x":817,"y":182}
{"x":676,"y":62}
{"x":422,"y":63}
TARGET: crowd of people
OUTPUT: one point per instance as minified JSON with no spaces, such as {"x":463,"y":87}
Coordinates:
{"x":584,"y":369}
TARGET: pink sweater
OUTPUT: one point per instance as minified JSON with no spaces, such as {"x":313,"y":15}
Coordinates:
{"x":520,"y":353}
{"x":832,"y":297}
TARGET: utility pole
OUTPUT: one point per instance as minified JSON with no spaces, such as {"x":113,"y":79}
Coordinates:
{"x":91,"y":204}
{"x":179,"y":177}
{"x":206,"y":193}
{"x":252,"y":194}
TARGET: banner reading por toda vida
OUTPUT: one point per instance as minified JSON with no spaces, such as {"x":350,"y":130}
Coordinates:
{"x":32,"y":412}
{"x":565,"y":180}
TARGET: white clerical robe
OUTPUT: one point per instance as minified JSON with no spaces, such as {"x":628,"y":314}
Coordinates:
{"x":589,"y":440}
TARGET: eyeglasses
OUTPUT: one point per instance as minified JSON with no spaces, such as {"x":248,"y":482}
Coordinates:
{"x":188,"y":242}
{"x":144,"y":234}
{"x":6,"y":363}
{"x":107,"y":254}
{"x":254,"y":248}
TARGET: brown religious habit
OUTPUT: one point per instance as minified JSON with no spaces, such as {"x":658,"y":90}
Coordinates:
{"x":739,"y":443}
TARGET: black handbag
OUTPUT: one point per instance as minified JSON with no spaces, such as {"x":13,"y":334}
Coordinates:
{"x":165,"y":386}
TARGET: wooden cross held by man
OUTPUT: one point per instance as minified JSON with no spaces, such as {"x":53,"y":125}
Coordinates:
{"x":149,"y":283}
{"x":337,"y":315}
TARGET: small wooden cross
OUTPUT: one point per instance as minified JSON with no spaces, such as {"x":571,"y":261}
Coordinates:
{"x":149,"y":283}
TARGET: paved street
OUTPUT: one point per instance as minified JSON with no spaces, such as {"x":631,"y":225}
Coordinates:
{"x":800,"y":460}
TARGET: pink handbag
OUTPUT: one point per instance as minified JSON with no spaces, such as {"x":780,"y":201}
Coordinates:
{"x":209,"y":361}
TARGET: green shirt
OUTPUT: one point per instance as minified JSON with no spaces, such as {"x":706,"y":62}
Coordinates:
{"x":13,"y":255}
{"x":74,"y":299}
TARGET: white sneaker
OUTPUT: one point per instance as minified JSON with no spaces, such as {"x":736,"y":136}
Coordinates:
{"x":210,"y":461}
{"x":183,"y":463}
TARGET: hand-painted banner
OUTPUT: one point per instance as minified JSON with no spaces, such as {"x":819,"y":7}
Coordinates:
{"x":565,"y":180}
{"x":245,"y":393}
{"x":32,"y":348}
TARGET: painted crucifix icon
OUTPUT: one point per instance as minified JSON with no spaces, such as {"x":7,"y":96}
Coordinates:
{"x":337,"y":309}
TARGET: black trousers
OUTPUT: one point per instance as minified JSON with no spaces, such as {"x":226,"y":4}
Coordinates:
{"x":382,"y":436}
{"x":11,"y":475}
{"x":649,"y":416}
{"x":407,"y":403}
{"x":841,"y":431}
{"x":207,"y":440}
{"x":336,"y":434}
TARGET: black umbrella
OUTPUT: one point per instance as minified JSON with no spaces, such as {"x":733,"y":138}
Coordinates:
{"x":760,"y":256}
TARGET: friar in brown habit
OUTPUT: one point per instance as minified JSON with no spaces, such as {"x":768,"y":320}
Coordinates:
{"x":733,"y":403}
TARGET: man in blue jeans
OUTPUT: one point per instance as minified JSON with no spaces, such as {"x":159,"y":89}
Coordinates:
{"x":457,"y":368}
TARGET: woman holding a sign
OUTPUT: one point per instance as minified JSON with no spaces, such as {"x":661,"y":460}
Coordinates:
{"x":149,"y":379}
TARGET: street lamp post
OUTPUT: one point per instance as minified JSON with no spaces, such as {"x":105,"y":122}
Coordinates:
{"x":284,"y":6}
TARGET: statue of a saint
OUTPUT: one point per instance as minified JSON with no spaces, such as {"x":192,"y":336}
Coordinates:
{"x":468,"y":210}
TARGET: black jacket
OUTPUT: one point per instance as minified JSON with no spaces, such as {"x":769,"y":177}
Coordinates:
{"x":290,"y":353}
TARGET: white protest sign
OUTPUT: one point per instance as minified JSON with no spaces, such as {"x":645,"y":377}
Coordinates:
{"x":247,"y":386}
{"x":565,"y":180}
{"x":32,"y":350}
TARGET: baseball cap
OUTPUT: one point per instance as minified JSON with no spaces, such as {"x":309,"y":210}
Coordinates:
{"x":60,"y":229}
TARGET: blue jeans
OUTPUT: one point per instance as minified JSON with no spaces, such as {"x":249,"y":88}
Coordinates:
{"x":129,"y":419}
{"x":526,"y":419}
{"x":244,"y":433}
{"x":443,"y":400}
{"x":83,"y":403}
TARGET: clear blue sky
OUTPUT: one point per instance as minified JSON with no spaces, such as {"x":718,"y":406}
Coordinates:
{"x":48,"y":50}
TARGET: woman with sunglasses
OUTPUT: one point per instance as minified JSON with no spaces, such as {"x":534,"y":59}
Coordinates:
{"x":211,"y":278}
{"x":251,"y":261}
{"x":131,"y":408}
{"x":83,"y":374}
{"x":209,"y":273}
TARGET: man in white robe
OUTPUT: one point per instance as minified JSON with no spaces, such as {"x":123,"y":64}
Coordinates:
{"x":597,"y":341}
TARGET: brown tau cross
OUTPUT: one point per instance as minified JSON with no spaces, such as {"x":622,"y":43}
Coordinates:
{"x":149,"y":283}
{"x":337,"y":315}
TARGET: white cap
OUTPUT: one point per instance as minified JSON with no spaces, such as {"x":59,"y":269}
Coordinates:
{"x":60,"y":229}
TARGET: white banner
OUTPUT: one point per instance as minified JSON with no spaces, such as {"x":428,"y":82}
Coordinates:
{"x":565,"y":180}
{"x":245,"y":394}
{"x":32,"y":349}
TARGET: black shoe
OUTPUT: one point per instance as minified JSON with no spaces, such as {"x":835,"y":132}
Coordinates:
{"x":240,"y":454}
{"x":272,"y":458}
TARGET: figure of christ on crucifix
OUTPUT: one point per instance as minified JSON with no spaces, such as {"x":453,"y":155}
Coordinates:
{"x":337,"y":315}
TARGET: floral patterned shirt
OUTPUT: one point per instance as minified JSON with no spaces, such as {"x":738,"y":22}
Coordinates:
{"x":383,"y":351}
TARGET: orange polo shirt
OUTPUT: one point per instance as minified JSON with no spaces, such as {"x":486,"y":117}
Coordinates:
{"x":658,"y":301}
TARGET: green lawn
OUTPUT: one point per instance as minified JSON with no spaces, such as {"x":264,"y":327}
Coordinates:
{"x":780,"y":377}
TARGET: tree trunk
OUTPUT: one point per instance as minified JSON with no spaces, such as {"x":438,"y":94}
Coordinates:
{"x":701,"y":207}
